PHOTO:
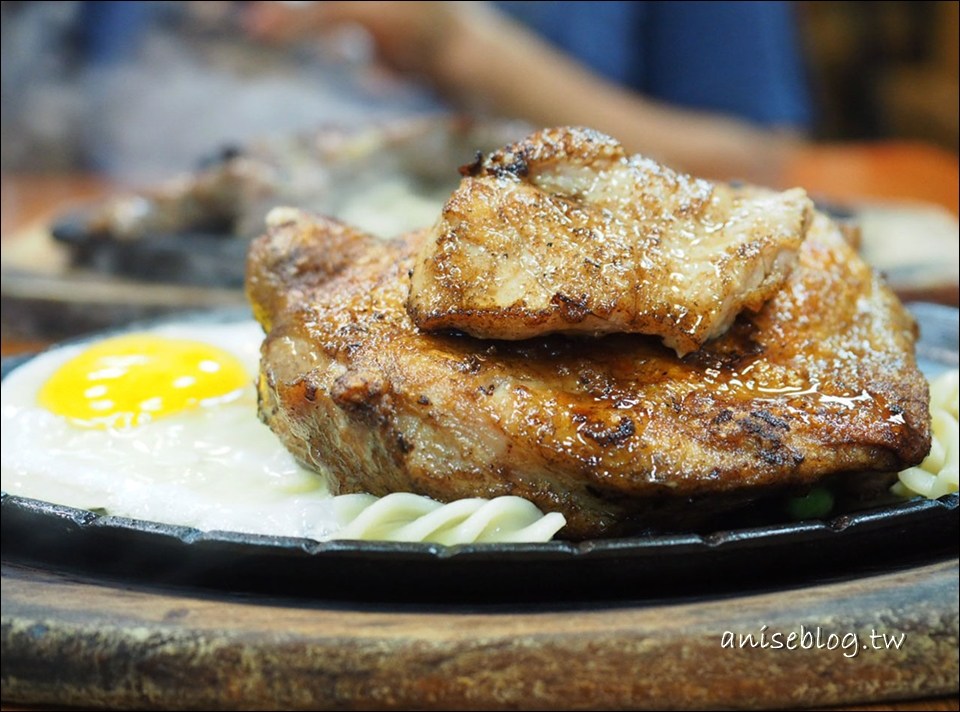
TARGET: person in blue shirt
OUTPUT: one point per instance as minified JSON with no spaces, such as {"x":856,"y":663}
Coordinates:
{"x":713,"y":88}
{"x":737,"y":58}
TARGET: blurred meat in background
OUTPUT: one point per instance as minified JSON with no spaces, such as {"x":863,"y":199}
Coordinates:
{"x":144,"y":90}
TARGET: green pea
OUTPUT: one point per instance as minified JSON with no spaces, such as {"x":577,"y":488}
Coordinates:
{"x":816,"y":503}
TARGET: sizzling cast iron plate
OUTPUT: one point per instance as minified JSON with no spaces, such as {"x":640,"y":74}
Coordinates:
{"x":685,"y":565}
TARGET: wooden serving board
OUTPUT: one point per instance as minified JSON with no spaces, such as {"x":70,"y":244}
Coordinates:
{"x":67,"y":640}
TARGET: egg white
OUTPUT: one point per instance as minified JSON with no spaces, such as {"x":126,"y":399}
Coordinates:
{"x":216,"y":468}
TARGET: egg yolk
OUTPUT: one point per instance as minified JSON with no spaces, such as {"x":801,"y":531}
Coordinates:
{"x":130,"y":380}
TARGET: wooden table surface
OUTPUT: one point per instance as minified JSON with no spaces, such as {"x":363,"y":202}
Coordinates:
{"x":838,"y":173}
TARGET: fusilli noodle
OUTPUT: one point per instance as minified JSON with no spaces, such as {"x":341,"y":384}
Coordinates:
{"x":937,"y":475}
{"x":408,"y":517}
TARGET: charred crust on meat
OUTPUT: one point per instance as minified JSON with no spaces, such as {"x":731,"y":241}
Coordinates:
{"x":572,"y":309}
{"x":761,"y":429}
{"x":771,"y":456}
{"x":724,"y":416}
{"x":471,"y":364}
{"x":738,"y":349}
{"x":474,"y":169}
{"x":308,"y":386}
{"x":352,"y":328}
{"x":513,"y":162}
{"x":767,"y":431}
{"x":779,"y":457}
{"x":404,"y":445}
{"x":770,"y":418}
{"x":606,"y":436}
{"x":595,"y":383}
{"x":355,"y":389}
{"x":518,"y":167}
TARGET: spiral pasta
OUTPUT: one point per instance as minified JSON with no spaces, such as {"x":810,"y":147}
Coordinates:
{"x":937,"y":475}
{"x":408,"y":517}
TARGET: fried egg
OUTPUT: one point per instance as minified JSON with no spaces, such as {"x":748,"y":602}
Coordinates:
{"x":161,"y":425}
{"x":128,"y":381}
{"x":158,"y":425}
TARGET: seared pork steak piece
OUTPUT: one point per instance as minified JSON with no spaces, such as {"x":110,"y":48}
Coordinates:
{"x":616,"y":433}
{"x":563,"y":232}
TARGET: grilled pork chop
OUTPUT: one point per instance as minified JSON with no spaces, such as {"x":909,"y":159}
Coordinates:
{"x":563,"y":232}
{"x":616,"y":433}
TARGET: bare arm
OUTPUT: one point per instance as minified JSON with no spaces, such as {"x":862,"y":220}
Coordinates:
{"x":480,"y":58}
